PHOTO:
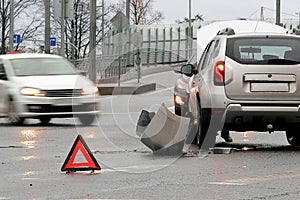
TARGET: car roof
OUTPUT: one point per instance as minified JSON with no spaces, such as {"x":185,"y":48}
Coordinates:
{"x":262,"y":34}
{"x":27,"y":55}
{"x":208,"y":32}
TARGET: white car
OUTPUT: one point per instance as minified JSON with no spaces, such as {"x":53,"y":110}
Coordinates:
{"x":43,"y":86}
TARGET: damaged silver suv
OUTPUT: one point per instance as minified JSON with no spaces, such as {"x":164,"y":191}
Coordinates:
{"x":246,"y":82}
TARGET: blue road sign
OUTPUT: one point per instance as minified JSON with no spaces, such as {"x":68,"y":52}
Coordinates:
{"x":52,"y":41}
{"x":17,"y":38}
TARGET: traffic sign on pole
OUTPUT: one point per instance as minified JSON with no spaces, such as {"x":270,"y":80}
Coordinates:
{"x":17,"y":38}
{"x":53,"y":41}
{"x":119,"y":21}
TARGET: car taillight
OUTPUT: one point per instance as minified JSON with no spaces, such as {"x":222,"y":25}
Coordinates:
{"x":219,"y":74}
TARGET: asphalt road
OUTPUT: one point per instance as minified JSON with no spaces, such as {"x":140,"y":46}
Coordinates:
{"x":261,"y":166}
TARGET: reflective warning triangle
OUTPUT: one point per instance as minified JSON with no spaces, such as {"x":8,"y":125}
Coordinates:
{"x":90,"y":163}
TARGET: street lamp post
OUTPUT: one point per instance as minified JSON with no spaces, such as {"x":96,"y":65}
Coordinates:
{"x":92,"y":52}
{"x":298,"y":13}
{"x":128,"y":9}
{"x":63,"y":14}
{"x":277,"y":12}
{"x":190,"y":30}
{"x":47,"y":26}
{"x":11,"y":27}
{"x":102,"y":21}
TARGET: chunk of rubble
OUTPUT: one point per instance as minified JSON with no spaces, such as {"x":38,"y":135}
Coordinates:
{"x":163,"y":132}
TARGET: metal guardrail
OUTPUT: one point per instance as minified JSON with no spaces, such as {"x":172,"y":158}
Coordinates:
{"x":107,"y":66}
{"x":157,"y":44}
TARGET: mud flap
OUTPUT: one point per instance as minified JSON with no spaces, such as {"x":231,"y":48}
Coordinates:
{"x":163,"y":132}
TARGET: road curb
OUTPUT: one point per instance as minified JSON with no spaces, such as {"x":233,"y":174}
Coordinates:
{"x":108,"y":89}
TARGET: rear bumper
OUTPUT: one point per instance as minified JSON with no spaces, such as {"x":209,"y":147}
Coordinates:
{"x":246,"y":117}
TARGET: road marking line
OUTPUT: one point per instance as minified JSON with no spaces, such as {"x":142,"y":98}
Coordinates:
{"x":256,"y":179}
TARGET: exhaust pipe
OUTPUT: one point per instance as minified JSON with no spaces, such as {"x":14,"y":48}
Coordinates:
{"x":238,"y":120}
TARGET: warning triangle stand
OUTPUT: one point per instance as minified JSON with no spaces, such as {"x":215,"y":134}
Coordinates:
{"x":90,"y":164}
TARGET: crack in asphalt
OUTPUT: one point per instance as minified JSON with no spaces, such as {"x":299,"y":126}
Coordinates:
{"x":13,"y":147}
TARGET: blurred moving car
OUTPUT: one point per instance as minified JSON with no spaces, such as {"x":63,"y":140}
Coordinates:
{"x":44,"y":86}
{"x":246,"y":82}
{"x":181,"y":93}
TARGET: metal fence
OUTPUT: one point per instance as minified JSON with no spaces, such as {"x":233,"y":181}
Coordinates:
{"x":106,"y":66}
{"x":159,"y":44}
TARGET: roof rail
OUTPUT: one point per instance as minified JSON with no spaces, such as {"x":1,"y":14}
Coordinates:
{"x":226,"y":31}
{"x":296,"y":31}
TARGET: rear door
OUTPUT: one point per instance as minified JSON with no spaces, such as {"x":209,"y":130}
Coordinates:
{"x":263,"y":68}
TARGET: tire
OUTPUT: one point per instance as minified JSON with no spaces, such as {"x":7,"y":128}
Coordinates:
{"x":87,"y":119}
{"x":44,"y":120}
{"x":196,"y":139}
{"x":207,"y":137}
{"x":199,"y":127}
{"x":13,"y":116}
{"x":293,"y":137}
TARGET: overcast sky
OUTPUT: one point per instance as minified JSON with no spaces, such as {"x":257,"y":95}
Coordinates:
{"x":225,"y":9}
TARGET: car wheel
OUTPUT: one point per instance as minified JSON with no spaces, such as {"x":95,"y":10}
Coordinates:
{"x":207,"y":138}
{"x":293,"y":137}
{"x":196,"y":133}
{"x":87,"y":119}
{"x":44,"y":120}
{"x":192,"y":137}
{"x":13,"y":116}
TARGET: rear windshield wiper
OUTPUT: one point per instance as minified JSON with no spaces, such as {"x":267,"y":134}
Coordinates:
{"x":283,"y":61}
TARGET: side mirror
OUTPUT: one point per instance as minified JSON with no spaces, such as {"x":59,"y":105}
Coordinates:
{"x":188,"y":70}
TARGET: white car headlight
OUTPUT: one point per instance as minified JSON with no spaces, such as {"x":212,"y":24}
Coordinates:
{"x":88,"y":90}
{"x":28,"y":91}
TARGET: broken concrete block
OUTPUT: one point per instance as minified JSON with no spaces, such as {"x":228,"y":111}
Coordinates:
{"x":165,"y":131}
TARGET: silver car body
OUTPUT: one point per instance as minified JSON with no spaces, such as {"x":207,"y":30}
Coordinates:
{"x":259,"y":91}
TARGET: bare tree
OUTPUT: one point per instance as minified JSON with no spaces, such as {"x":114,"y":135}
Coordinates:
{"x":142,"y":12}
{"x":27,"y":28}
{"x":77,"y":29}
{"x":193,"y":19}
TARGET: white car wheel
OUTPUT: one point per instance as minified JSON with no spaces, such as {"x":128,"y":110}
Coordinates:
{"x":13,"y":116}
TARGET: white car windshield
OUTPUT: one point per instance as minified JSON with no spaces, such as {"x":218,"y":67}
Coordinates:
{"x":42,"y":67}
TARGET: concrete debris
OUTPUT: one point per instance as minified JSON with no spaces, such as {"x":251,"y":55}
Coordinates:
{"x":163,"y":132}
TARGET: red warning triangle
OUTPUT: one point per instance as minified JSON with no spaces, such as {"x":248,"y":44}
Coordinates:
{"x":90,"y":163}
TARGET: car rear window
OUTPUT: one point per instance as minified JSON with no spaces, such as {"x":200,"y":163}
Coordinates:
{"x":264,"y":50}
{"x":42,"y":67}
